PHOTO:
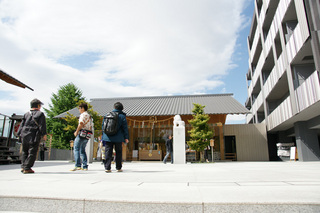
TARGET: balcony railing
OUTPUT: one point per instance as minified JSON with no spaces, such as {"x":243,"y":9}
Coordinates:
{"x":267,"y":3}
{"x":295,"y":43}
{"x":282,"y":113}
{"x":257,"y":103}
{"x":250,"y":88}
{"x":249,"y":117}
{"x":282,"y":64}
{"x":255,"y":43}
{"x":257,"y":73}
{"x":262,"y":16}
{"x":308,"y":92}
{"x":276,"y":23}
{"x":274,"y":75}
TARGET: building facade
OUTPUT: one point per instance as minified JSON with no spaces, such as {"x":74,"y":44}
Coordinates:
{"x":283,"y":76}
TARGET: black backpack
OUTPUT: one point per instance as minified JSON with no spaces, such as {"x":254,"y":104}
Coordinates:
{"x":110,"y":124}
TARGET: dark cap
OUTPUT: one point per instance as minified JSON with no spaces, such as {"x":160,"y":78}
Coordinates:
{"x":35,"y":102}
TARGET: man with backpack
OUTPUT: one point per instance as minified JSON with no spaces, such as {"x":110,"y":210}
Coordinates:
{"x":32,"y":129}
{"x":114,"y":133}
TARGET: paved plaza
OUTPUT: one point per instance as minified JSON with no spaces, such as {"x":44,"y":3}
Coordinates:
{"x":157,"y":187}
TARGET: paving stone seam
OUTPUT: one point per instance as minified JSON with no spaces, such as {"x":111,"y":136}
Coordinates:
{"x":165,"y":202}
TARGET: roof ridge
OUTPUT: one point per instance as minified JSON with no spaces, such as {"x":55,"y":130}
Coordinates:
{"x":166,"y":96}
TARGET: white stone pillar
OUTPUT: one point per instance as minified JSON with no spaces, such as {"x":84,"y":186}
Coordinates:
{"x":179,"y":141}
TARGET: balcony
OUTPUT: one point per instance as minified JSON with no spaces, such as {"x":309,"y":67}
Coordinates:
{"x":308,"y":92}
{"x":250,"y":88}
{"x":282,"y":64}
{"x":257,"y":103}
{"x":262,"y":16}
{"x":249,"y":118}
{"x":276,"y":23}
{"x":275,"y":75}
{"x":258,"y":69}
{"x":255,"y":43}
{"x":248,"y":104}
{"x":295,"y":43}
{"x":282,"y":113}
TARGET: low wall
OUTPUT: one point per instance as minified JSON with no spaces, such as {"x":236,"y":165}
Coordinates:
{"x":59,"y":154}
{"x":56,"y":154}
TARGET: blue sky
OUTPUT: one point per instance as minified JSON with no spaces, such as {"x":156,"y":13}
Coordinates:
{"x":124,"y":48}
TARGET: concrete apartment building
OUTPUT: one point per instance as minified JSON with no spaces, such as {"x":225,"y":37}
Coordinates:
{"x":283,"y":76}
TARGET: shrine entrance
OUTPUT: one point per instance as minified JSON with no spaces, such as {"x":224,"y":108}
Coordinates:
{"x":148,"y":136}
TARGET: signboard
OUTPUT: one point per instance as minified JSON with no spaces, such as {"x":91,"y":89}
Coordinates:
{"x":134,"y":153}
{"x":293,"y":153}
{"x":211,"y":142}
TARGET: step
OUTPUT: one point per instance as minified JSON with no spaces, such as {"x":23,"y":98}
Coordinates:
{"x":6,"y":152}
{"x":4,"y":148}
{"x":14,"y":160}
{"x":4,"y":161}
{"x":11,"y":156}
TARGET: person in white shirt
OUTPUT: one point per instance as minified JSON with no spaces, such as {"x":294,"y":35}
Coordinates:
{"x":82,"y":134}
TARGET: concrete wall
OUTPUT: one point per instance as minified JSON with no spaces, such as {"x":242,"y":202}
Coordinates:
{"x":60,"y":154}
{"x":251,"y":141}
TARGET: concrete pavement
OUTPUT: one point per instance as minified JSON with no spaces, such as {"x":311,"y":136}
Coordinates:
{"x":158,"y":187}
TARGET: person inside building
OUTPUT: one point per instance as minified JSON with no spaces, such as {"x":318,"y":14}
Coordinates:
{"x":32,"y":129}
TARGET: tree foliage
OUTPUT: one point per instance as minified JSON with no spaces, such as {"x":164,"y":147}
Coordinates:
{"x":72,"y":121}
{"x":65,"y":99}
{"x":200,"y":133}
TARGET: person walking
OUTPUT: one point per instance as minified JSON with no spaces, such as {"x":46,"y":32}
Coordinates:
{"x":169,"y":148}
{"x":83,"y":133}
{"x":32,"y":129}
{"x":42,"y":149}
{"x":115,"y":140}
{"x":206,"y":153}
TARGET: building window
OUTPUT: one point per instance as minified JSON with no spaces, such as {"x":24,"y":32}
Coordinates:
{"x":300,"y":73}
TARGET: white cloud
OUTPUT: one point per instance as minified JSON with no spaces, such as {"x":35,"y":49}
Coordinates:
{"x":146,"y":47}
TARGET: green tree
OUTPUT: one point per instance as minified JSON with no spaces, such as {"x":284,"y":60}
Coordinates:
{"x":72,"y":121}
{"x":65,"y":99}
{"x":200,"y":133}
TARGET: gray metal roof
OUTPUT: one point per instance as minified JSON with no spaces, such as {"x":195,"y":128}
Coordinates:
{"x":167,"y":105}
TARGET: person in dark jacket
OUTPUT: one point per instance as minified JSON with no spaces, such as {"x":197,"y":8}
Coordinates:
{"x":42,"y":150}
{"x":169,"y":149}
{"x":32,"y":129}
{"x":116,"y":140}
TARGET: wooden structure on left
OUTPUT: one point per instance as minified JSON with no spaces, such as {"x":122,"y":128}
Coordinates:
{"x":11,"y":80}
{"x":8,"y":138}
{"x":9,"y":126}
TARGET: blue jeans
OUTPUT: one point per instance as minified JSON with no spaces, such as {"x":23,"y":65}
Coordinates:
{"x":80,"y":151}
{"x":167,"y":155}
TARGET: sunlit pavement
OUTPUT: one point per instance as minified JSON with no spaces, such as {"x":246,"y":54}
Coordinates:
{"x":157,"y":187}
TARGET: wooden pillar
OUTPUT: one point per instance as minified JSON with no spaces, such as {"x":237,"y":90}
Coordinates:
{"x":124,"y":152}
{"x":131,"y":142}
{"x":221,"y":138}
